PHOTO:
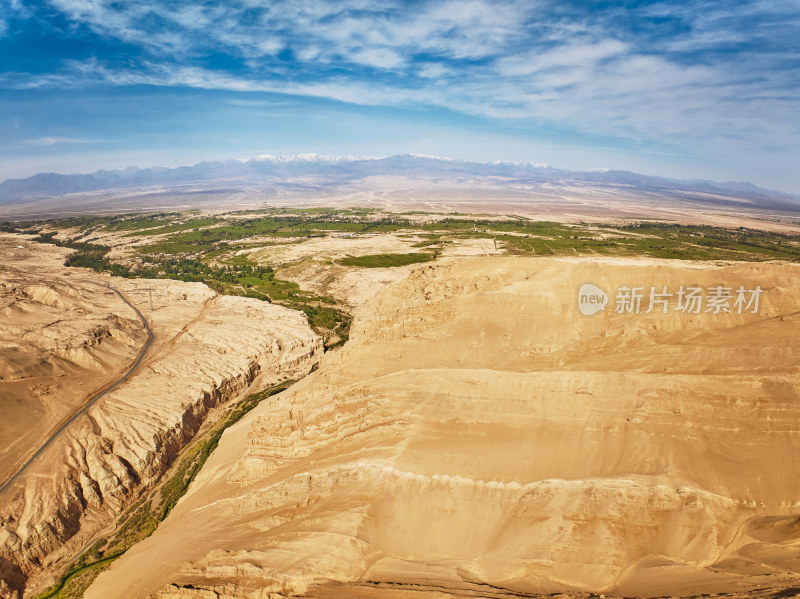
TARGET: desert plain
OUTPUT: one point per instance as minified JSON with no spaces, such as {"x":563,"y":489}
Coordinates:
{"x":457,"y":428}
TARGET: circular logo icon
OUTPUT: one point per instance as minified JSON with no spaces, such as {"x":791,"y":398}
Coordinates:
{"x":591,"y":299}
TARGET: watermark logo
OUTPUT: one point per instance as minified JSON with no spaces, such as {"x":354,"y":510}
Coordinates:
{"x":591,"y":299}
{"x":687,"y":299}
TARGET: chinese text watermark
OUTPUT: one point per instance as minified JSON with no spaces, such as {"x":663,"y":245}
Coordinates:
{"x":686,"y":299}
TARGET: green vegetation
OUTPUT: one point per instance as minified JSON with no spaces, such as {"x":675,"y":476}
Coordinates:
{"x":659,"y":240}
{"x":137,"y":224}
{"x":303,"y":225}
{"x":144,"y":516}
{"x":82,"y":223}
{"x":538,"y":228}
{"x":386,"y":260}
{"x":706,"y":243}
{"x":88,"y":255}
{"x":119,"y":222}
{"x":173,"y":228}
{"x":680,"y":242}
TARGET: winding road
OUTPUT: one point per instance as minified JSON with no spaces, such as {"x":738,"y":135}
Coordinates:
{"x":99,"y":395}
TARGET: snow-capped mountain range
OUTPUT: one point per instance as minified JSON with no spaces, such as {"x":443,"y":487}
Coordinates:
{"x":274,"y":171}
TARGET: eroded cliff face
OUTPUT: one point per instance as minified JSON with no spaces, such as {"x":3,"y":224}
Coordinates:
{"x":207,"y":350}
{"x":478,"y":434}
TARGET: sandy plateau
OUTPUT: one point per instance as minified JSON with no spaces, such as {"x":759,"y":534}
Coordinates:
{"x":63,"y":335}
{"x":478,"y":436}
{"x":61,"y":339}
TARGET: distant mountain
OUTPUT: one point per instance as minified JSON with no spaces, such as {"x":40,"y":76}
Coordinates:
{"x":340,"y":170}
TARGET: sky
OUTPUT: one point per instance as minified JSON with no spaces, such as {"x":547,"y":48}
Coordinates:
{"x":701,"y":89}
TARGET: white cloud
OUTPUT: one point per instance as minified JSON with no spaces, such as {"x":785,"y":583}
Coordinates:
{"x":308,"y":53}
{"x":382,"y":58}
{"x":379,"y":32}
{"x":12,"y":9}
{"x":568,"y":55}
{"x":51,"y":141}
{"x":434,"y":71}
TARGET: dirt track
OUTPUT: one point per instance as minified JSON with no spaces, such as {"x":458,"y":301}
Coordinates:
{"x":92,"y":400}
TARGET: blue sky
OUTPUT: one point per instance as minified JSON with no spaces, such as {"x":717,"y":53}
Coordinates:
{"x":702,"y":89}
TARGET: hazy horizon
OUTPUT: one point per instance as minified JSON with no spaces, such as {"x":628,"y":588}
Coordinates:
{"x":315,"y":156}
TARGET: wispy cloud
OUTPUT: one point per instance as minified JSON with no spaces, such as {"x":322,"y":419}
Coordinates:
{"x":9,"y":9}
{"x":52,"y":141}
{"x":583,"y":56}
{"x":343,"y":31}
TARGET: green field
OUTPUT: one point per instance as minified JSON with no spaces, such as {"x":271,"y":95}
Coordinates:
{"x":386,"y":260}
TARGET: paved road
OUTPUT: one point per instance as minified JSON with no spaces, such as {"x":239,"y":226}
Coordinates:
{"x":94,"y":400}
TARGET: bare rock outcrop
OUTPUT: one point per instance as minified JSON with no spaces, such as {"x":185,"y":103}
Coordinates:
{"x":479,"y":436}
{"x":61,"y":340}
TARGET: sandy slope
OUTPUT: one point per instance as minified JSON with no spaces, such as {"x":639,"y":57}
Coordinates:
{"x":480,"y":437}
